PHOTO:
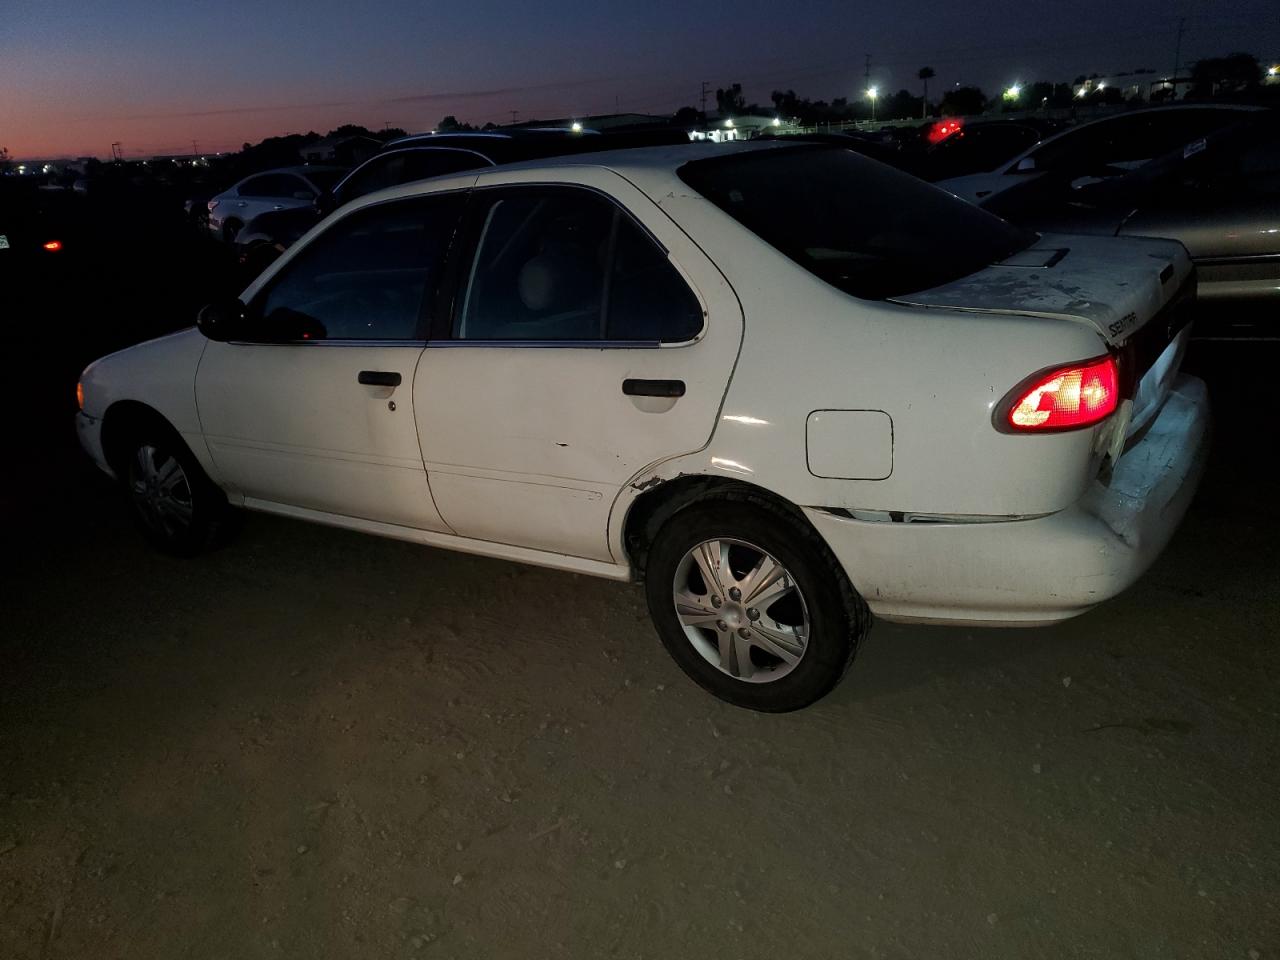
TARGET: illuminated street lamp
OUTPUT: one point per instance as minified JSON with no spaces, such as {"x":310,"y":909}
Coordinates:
{"x":1013,"y":93}
{"x":576,"y":127}
{"x":872,"y":93}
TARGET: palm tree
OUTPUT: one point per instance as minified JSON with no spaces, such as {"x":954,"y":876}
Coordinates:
{"x":926,"y":74}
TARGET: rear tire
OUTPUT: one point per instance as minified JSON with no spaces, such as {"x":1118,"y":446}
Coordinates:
{"x":175,"y":506}
{"x":781,"y":623}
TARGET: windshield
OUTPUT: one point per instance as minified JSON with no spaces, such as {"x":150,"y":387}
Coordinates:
{"x":861,"y":226}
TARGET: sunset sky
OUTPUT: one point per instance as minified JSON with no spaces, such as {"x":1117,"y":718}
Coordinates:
{"x":77,"y":75}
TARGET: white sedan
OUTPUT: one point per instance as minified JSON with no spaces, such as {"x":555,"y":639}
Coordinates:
{"x":785,"y":385}
{"x":284,"y":189}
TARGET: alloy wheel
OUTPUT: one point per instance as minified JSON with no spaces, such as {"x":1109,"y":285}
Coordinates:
{"x":741,"y":609}
{"x":161,"y":491}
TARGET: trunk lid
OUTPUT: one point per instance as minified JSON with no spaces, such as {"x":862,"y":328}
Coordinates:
{"x":1135,"y":293}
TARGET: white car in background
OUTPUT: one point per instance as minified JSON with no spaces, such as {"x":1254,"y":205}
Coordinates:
{"x":282,"y":189}
{"x":788,"y":386}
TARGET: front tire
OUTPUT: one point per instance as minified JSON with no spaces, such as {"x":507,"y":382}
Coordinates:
{"x":752,"y":605}
{"x":174,"y":505}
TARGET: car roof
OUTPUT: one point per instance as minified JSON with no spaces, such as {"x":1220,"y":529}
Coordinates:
{"x":650,"y":168}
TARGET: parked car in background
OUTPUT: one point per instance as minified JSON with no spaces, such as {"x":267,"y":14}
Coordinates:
{"x":787,"y":386}
{"x":1218,"y":195}
{"x":955,"y":147}
{"x":421,"y":157}
{"x":39,"y":231}
{"x":280,"y":189}
{"x":1121,"y":142}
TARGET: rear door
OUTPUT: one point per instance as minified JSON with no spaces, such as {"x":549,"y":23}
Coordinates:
{"x":589,"y":339}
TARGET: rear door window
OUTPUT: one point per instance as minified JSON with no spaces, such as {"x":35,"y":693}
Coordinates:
{"x":272,"y":185}
{"x":569,"y":265}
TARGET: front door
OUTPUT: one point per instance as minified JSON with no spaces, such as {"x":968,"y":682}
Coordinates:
{"x":590,"y":338}
{"x":314,"y":408}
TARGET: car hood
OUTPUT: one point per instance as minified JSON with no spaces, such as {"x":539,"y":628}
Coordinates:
{"x":1114,"y":285}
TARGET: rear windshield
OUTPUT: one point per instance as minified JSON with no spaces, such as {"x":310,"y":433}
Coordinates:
{"x":863,"y":227}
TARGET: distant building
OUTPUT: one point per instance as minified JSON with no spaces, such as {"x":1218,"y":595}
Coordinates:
{"x":345,"y":151}
{"x":1135,"y":86}
{"x":721,"y":128}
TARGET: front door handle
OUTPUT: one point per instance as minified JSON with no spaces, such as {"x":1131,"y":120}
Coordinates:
{"x":653,"y":388}
{"x":379,"y":378}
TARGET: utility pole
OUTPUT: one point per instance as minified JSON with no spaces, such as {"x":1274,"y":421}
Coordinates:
{"x":195,"y":149}
{"x":117,"y":152}
{"x":704,"y":100}
{"x":514,"y":114}
{"x":1177,"y":58}
{"x":867,"y":73}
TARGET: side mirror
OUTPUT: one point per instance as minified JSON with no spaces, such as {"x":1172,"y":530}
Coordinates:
{"x":222,"y":320}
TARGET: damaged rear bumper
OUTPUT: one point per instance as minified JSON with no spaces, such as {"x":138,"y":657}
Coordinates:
{"x":1041,"y":570}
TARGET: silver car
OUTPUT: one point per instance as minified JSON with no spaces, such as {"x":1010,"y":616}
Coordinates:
{"x":280,"y":189}
{"x":1219,"y":195}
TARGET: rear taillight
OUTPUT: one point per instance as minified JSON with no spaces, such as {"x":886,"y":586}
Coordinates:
{"x":53,"y":246}
{"x":943,"y":129}
{"x":1065,"y":398}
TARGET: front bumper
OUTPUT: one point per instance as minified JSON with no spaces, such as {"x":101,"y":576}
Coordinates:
{"x":1041,"y":570}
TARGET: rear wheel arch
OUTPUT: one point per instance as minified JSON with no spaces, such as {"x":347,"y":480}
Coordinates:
{"x":826,"y":630}
{"x":654,"y":507}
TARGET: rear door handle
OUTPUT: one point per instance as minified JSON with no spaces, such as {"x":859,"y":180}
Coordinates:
{"x":379,"y":378}
{"x":653,"y":388}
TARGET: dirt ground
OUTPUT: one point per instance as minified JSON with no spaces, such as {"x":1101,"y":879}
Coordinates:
{"x":316,"y":744}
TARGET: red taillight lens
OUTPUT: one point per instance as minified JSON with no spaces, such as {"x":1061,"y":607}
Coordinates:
{"x":53,"y":245}
{"x":1064,"y":399}
{"x":943,"y":129}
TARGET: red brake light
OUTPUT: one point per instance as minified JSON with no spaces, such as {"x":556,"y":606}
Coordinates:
{"x":54,"y":245}
{"x":1066,"y":398}
{"x":943,"y":129}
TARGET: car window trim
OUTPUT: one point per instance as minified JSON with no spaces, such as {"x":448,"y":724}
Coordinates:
{"x":466,"y":246}
{"x":432,"y":297}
